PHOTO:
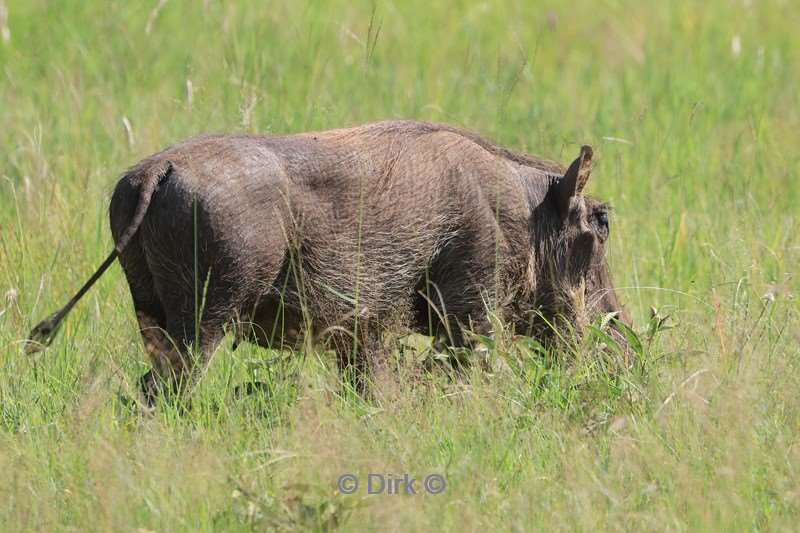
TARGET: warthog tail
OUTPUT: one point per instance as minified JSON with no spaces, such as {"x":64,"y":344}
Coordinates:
{"x":45,"y":331}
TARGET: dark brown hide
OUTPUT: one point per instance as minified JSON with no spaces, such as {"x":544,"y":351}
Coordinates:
{"x":392,"y":223}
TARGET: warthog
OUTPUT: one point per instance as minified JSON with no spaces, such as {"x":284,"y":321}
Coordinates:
{"x":338,"y":234}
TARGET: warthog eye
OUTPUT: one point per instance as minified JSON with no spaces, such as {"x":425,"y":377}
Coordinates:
{"x":601,"y":222}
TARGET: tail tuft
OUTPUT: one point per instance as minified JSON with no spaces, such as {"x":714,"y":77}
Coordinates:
{"x":43,"y":334}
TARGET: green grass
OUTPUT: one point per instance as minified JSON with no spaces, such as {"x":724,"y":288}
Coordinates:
{"x":698,"y":154}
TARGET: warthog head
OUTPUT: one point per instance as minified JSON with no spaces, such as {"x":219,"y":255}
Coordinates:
{"x":569,"y":232}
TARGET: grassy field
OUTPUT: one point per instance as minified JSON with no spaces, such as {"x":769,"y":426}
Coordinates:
{"x":694,"y":111}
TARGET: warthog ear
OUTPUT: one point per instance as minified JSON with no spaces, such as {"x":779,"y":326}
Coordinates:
{"x":574,"y":180}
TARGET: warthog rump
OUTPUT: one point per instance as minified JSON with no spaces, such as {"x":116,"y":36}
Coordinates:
{"x":339,"y":233}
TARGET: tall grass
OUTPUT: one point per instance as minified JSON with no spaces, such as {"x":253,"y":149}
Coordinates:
{"x":694,"y":111}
